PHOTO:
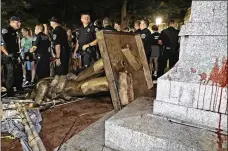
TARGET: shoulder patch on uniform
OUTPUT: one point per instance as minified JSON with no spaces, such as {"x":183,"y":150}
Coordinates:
{"x":96,"y":29}
{"x":4,"y":31}
{"x":143,"y":36}
{"x":54,"y":37}
{"x":34,"y":38}
{"x":88,"y":30}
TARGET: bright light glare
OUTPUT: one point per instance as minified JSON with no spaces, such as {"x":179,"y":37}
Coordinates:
{"x":158,"y":21}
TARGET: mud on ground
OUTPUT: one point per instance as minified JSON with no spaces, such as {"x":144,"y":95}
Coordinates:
{"x":57,"y":122}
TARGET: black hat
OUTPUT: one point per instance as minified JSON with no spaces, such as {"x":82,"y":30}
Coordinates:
{"x":54,"y":19}
{"x":15,"y":18}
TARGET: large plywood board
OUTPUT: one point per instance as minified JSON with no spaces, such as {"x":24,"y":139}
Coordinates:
{"x":123,"y":52}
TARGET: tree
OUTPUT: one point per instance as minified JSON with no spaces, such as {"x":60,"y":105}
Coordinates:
{"x":19,"y":8}
{"x":124,"y":17}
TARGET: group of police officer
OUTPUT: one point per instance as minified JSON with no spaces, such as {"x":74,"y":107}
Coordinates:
{"x":160,"y":47}
{"x":86,"y":45}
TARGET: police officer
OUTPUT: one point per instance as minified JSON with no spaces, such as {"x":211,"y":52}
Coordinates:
{"x":107,"y":25}
{"x":87,"y":41}
{"x":61,"y":46}
{"x":12,"y":66}
{"x":41,"y":48}
{"x":145,"y":35}
{"x":169,"y":40}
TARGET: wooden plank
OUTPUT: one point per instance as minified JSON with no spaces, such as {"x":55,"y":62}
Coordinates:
{"x":109,"y":71}
{"x":144,"y":61}
{"x":131,"y":59}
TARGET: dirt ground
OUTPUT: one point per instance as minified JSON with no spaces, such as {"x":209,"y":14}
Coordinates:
{"x":58,"y":121}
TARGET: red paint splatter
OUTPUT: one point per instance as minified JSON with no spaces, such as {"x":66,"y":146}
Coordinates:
{"x":220,"y":140}
{"x":203,"y":76}
{"x":223,"y":76}
{"x":211,"y":95}
{"x":214,"y":75}
{"x":193,"y":70}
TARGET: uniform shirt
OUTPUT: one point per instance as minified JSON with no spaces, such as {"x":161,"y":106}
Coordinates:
{"x":86,"y":35}
{"x":11,"y":40}
{"x":2,"y":41}
{"x":108,"y":28}
{"x":154,"y":38}
{"x":138,"y":31}
{"x":145,"y":35}
{"x":42,"y":43}
{"x":60,"y":38}
{"x":26,"y":43}
{"x":169,"y":37}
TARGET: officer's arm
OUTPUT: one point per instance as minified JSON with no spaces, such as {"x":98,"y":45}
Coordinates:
{"x":3,"y":49}
{"x":58,"y":50}
{"x":76,"y":48}
{"x":35,"y":44}
{"x":3,"y":46}
{"x":93,"y":43}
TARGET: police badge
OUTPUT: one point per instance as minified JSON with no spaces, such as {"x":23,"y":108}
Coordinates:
{"x":88,"y":30}
{"x":54,"y":37}
{"x":4,"y":31}
{"x":143,"y":36}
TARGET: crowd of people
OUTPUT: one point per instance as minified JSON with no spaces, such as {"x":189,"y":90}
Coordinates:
{"x":28,"y":57}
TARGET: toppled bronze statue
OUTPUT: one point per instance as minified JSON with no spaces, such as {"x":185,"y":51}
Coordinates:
{"x":90,"y":81}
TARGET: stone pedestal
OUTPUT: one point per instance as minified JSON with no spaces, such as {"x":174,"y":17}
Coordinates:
{"x":135,"y":128}
{"x":191,"y":92}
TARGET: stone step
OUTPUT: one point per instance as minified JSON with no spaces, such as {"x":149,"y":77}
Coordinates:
{"x":135,"y":128}
{"x":90,"y":139}
{"x":198,"y":117}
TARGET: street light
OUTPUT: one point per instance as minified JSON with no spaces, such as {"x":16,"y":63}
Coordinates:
{"x":158,"y":21}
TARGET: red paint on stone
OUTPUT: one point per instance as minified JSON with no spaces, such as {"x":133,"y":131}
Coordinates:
{"x":220,"y":140}
{"x":203,"y":76}
{"x":193,"y":70}
{"x":223,"y":76}
{"x":214,"y":75}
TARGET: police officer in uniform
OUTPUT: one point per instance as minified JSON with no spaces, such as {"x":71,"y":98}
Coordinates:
{"x":10,"y":60}
{"x":61,"y":46}
{"x":169,"y":40}
{"x":87,"y":42}
{"x":145,"y":35}
{"x":41,"y":48}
